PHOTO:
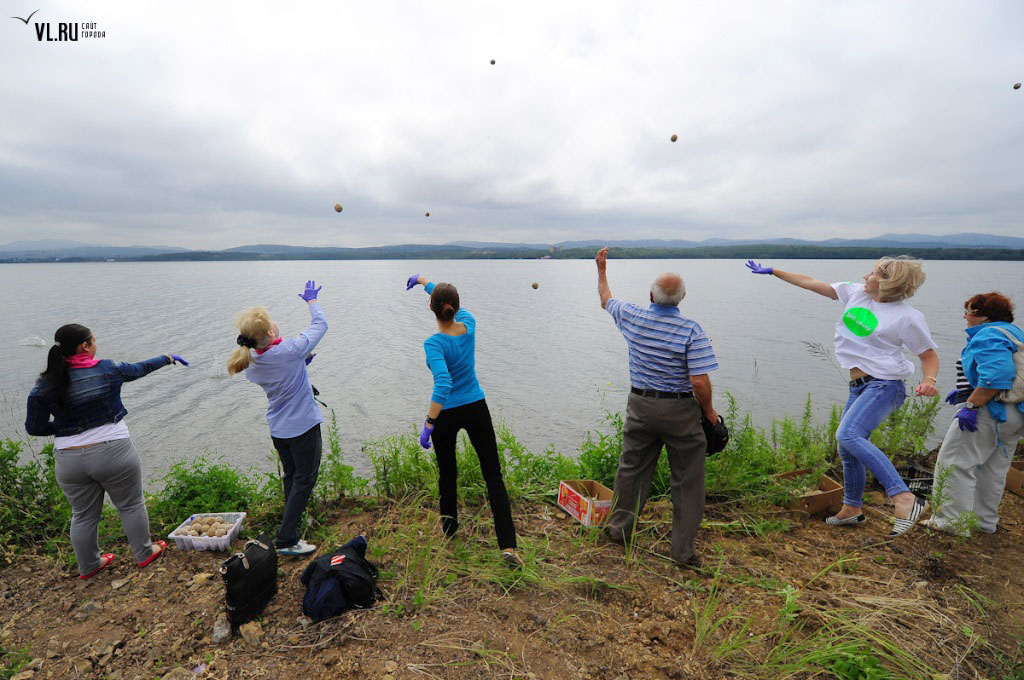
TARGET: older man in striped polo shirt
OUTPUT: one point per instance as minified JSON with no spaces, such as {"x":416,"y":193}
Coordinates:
{"x":669,"y":361}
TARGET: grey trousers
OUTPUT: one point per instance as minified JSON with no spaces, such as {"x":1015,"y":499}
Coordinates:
{"x":650,"y":424}
{"x":980,"y":461}
{"x":83,"y":476}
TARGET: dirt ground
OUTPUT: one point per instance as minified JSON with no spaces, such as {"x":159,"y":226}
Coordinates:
{"x":627,"y":619}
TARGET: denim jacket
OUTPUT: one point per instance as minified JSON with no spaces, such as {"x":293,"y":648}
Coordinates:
{"x":93,"y":399}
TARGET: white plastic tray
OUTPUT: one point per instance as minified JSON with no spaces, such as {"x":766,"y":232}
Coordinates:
{"x":207,"y":542}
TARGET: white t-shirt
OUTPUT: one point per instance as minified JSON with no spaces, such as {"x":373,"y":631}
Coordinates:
{"x":95,"y":435}
{"x":871,"y":335}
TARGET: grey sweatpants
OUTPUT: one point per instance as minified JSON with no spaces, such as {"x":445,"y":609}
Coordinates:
{"x":650,"y":424}
{"x":83,"y":476}
{"x":979,"y":462}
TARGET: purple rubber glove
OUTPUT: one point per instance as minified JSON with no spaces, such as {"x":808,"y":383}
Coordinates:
{"x":968,"y":418}
{"x":757,"y":268}
{"x":428,"y":429}
{"x":311,"y":291}
{"x":310,"y":358}
{"x":413,"y":280}
{"x":951,"y":397}
{"x":178,"y":359}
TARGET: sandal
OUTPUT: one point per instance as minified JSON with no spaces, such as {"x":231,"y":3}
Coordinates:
{"x":158,"y":553}
{"x":834,"y":521}
{"x":106,"y":559}
{"x":901,"y":526}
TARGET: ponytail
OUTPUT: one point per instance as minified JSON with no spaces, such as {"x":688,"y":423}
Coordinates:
{"x":254,"y":324}
{"x":444,"y":301}
{"x":66,"y":341}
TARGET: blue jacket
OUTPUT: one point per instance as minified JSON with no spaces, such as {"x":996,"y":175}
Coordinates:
{"x":988,"y":362}
{"x":93,"y":399}
{"x":452,"y":361}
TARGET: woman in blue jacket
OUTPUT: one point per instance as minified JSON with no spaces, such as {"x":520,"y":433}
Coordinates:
{"x":279,"y":367}
{"x":78,"y":400}
{"x":458,"y":403}
{"x":980,"y":442}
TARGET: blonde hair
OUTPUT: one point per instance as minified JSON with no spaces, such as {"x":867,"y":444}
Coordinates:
{"x":900,"y":277}
{"x":253,"y":325}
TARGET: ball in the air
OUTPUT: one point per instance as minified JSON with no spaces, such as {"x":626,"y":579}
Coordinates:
{"x":492,"y":62}
{"x":674,"y":137}
{"x":426,"y":214}
{"x":1016,"y":86}
{"x":337,"y":207}
{"x":536,"y":285}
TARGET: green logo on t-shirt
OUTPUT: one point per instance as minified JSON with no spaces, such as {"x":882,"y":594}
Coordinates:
{"x":861,"y":321}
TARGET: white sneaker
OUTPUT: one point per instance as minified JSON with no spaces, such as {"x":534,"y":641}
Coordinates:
{"x":300,"y":548}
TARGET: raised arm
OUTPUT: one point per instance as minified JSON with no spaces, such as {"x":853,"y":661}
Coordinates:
{"x":603,"y":289}
{"x":800,"y":280}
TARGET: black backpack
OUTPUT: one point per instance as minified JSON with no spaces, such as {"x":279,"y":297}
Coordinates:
{"x":250,"y":580}
{"x":340,"y":581}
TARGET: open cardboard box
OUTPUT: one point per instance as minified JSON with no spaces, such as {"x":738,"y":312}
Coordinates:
{"x":586,"y":500}
{"x":826,"y":497}
{"x":1015,"y":476}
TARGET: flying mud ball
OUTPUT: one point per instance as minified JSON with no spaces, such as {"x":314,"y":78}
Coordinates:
{"x":1016,"y":86}
{"x":492,"y":62}
{"x":337,"y":207}
{"x":426,"y":214}
{"x":674,"y":137}
{"x":535,"y":285}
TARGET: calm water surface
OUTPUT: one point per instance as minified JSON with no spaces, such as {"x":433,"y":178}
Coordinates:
{"x":550,"y":360}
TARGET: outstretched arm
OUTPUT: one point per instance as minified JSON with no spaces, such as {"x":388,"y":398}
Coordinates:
{"x":800,"y":280}
{"x":603,"y":288}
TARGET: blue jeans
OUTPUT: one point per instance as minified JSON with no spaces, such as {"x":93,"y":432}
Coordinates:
{"x":869,"y":405}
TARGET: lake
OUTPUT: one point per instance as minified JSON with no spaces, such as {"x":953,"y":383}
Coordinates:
{"x":549,"y":359}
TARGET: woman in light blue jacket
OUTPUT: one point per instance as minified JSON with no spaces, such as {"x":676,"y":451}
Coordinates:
{"x":278,"y":365}
{"x":980,"y":442}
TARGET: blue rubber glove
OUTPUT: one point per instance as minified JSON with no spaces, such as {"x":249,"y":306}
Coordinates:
{"x":757,"y":268}
{"x":413,"y":280}
{"x":428,"y":430}
{"x":178,"y":359}
{"x":311,"y":291}
{"x":951,"y":397}
{"x":310,"y":358}
{"x":968,"y":418}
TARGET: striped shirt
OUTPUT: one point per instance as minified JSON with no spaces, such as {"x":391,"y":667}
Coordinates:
{"x":665,"y":348}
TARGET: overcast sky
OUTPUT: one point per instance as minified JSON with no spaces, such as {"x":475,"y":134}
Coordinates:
{"x":212,"y":125}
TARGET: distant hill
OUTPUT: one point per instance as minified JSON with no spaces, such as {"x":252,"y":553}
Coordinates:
{"x":50,"y":249}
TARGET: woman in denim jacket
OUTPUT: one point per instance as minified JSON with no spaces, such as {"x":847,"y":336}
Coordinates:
{"x":78,"y":400}
{"x":980,"y":442}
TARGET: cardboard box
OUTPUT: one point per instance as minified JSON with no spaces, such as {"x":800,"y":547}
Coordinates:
{"x":826,"y":497}
{"x":586,"y":500}
{"x":1015,"y":475}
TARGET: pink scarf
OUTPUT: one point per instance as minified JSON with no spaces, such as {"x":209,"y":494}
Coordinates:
{"x":81,"y":360}
{"x":264,"y":349}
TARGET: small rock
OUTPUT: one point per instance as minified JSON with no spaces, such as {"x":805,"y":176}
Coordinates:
{"x":24,"y":675}
{"x":201,"y":578}
{"x":390,"y":666}
{"x":251,"y":633}
{"x":921,"y":585}
{"x":221,"y":630}
{"x":116,"y":675}
{"x":119,"y":583}
{"x":178,"y":673}
{"x":304,"y":621}
{"x":388,"y":677}
{"x":82,"y":665}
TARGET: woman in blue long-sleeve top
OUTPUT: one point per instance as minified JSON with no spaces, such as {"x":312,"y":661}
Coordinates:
{"x":278,"y":365}
{"x":458,"y":403}
{"x":979,"y":445}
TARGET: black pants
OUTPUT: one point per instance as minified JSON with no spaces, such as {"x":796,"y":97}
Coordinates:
{"x":476,"y":420}
{"x":300,"y":459}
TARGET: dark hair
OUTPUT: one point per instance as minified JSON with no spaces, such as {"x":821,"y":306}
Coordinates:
{"x":444,"y":301}
{"x":66,"y":341}
{"x":993,"y":306}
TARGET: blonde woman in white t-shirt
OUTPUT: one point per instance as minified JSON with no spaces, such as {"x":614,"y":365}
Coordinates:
{"x":870,"y":336}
